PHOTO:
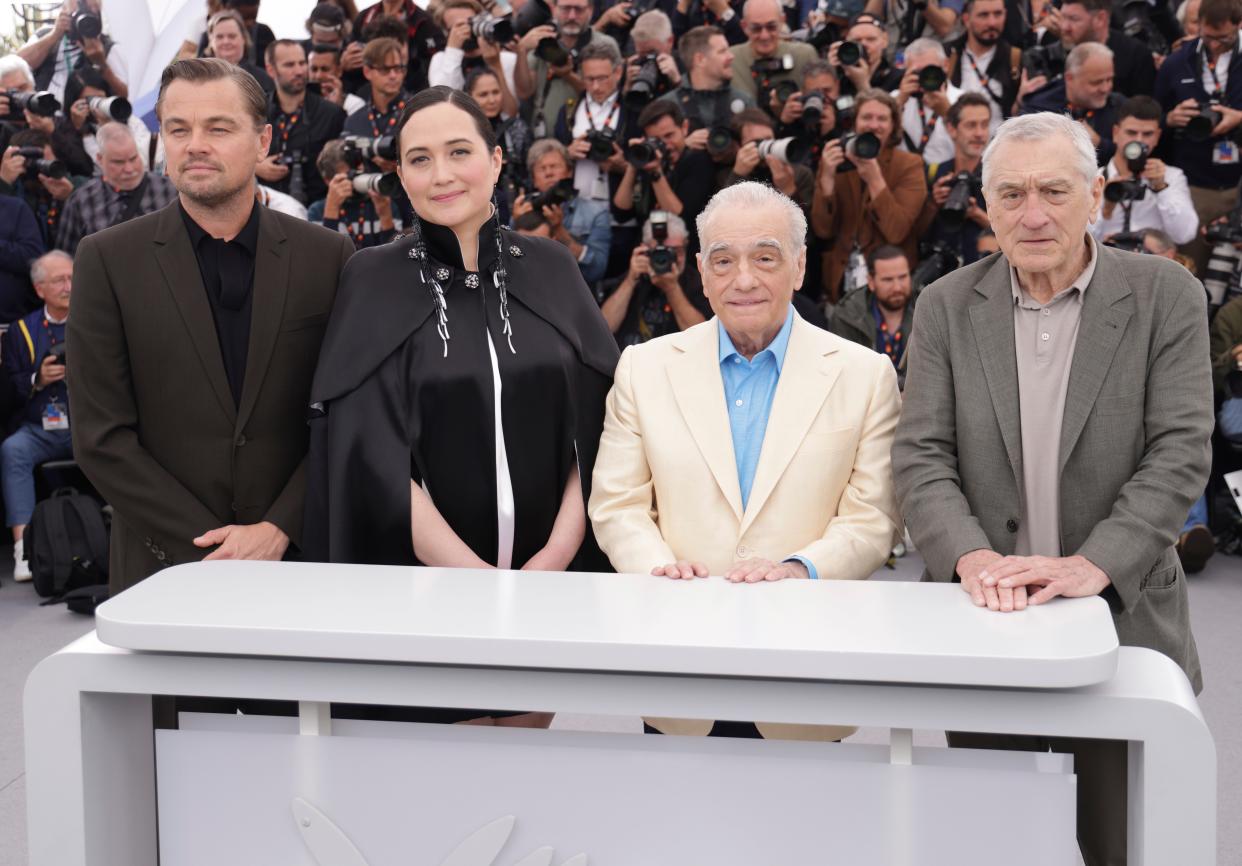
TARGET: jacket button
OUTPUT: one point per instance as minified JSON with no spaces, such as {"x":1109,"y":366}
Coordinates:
{"x":1011,"y":525}
{"x":742,"y":551}
{"x":241,"y":440}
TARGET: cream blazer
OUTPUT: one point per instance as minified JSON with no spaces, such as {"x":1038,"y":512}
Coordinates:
{"x":665,"y":485}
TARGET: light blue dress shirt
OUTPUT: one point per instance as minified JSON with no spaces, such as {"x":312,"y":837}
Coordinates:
{"x":749,"y":387}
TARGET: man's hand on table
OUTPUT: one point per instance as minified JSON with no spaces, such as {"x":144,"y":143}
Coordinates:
{"x":973,"y":567}
{"x":1069,"y":576}
{"x":681,"y":570}
{"x":745,"y":571}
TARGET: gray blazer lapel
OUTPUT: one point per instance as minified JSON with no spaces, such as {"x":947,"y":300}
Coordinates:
{"x":180,"y":268}
{"x":1104,"y":319}
{"x":271,"y":285}
{"x":991,"y":317}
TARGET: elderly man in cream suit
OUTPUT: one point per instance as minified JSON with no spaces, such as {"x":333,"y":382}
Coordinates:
{"x":753,"y":447}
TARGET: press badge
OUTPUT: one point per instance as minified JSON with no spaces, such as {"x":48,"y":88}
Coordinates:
{"x":1224,"y":153}
{"x":55,"y":417}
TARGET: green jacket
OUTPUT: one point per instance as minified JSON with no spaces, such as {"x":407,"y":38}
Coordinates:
{"x":1226,"y":332}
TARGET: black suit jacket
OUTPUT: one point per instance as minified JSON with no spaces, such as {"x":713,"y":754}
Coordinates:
{"x":155,"y":427}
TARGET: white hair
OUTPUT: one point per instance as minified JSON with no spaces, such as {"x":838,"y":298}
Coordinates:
{"x":751,"y":196}
{"x":652,"y":26}
{"x":923,"y":47}
{"x":676,"y":228}
{"x":1083,"y":53}
{"x":38,"y":268}
{"x":1042,"y":127}
{"x":113,"y":133}
{"x":11,"y":63}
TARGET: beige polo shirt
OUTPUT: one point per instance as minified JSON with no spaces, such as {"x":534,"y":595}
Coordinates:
{"x":1044,"y":340}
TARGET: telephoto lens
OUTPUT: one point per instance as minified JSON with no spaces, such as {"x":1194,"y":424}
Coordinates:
{"x":850,"y":53}
{"x":39,"y":102}
{"x":787,"y":150}
{"x":862,"y":145}
{"x":1199,"y":128}
{"x":550,"y":50}
{"x":812,"y":110}
{"x":559,"y":193}
{"x":116,"y":107}
{"x":953,"y":211}
{"x":36,"y":165}
{"x":373,"y":181}
{"x":644,"y":152}
{"x":931,"y":78}
{"x":719,"y":138}
{"x":87,"y":25}
{"x":498,"y":31}
{"x":645,"y":85}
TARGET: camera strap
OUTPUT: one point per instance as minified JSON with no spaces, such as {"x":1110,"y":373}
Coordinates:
{"x":929,"y":126}
{"x":609,"y":118}
{"x":134,"y":201}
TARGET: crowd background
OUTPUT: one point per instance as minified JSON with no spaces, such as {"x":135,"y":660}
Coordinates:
{"x":620,"y":120}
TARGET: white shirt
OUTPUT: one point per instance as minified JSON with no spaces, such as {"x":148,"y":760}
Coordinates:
{"x":67,"y":52}
{"x":589,"y":179}
{"x":1210,"y":84}
{"x":939,"y":146}
{"x":1170,"y":210}
{"x":445,"y":68}
{"x":353,"y":102}
{"x":972,"y":84}
{"x":280,"y":202}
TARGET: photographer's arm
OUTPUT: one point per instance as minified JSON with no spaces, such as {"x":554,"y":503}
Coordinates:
{"x":941,"y":20}
{"x":666,"y":198}
{"x":37,"y":51}
{"x":618,"y":302}
{"x":623,"y":198}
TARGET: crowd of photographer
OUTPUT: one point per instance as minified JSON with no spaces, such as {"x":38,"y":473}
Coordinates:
{"x":619,"y":121}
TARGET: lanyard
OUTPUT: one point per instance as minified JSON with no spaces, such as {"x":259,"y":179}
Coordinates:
{"x":984,"y":81}
{"x":394,"y":111}
{"x":929,"y":126}
{"x":286,"y":123}
{"x":1078,"y":113}
{"x":1217,"y":90}
{"x":893,"y":345}
{"x":47,"y":327}
{"x":608,"y":118}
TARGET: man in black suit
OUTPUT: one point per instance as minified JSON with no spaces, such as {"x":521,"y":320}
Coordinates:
{"x":195,"y":334}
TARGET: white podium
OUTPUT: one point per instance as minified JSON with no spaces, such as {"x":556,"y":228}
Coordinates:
{"x":898,"y":655}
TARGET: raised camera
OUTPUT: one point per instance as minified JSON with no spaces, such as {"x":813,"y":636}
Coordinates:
{"x":646,"y":83}
{"x":932,"y":78}
{"x":719,"y":140}
{"x":860,"y":145}
{"x":36,"y":165}
{"x":645,"y":152}
{"x":39,"y":102}
{"x":601,"y":142}
{"x":662,"y":257}
{"x":550,"y":50}
{"x":373,"y":181}
{"x":559,"y":193}
{"x":115,"y":107}
{"x":851,"y":53}
{"x":787,"y":150}
{"x":498,"y":31}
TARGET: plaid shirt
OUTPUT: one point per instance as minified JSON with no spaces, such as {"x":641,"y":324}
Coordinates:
{"x":95,"y":206}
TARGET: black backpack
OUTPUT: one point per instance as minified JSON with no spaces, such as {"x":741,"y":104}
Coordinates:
{"x":67,"y":543}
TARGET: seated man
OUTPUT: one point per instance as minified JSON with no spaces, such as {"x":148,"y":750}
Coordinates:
{"x":880,"y":314}
{"x":34,"y":364}
{"x":685,"y":484}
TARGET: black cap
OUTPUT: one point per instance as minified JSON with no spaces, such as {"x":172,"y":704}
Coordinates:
{"x":327,"y":15}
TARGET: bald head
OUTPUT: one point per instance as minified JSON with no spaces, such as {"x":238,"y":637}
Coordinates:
{"x":763,"y":21}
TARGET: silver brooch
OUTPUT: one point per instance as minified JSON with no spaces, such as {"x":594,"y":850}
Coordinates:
{"x":472,"y":281}
{"x":442,"y":273}
{"x":515,"y":251}
{"x":416,"y":254}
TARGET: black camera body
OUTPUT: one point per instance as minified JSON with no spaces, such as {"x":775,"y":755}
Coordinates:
{"x":357,"y":149}
{"x":85,"y":25}
{"x":601,"y":143}
{"x":966,"y":185}
{"x":1045,"y":60}
{"x":648,"y":83}
{"x":845,"y":106}
{"x":42,"y":103}
{"x":645,"y":152}
{"x":662,"y":258}
{"x":550,"y":50}
{"x":36,"y":165}
{"x":1228,"y":232}
{"x":490,"y":28}
{"x":1134,"y":17}
{"x":936,"y":259}
{"x":1199,"y":128}
{"x":812,"y":111}
{"x":559,"y":193}
{"x":638,"y":7}
{"x":864,"y":145}
{"x":719,"y":140}
{"x":932,"y":78}
{"x":58,"y":353}
{"x":773,"y":65}
{"x":851,"y":53}
{"x":1119,"y":191}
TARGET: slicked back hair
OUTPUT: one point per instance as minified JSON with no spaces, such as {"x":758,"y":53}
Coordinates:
{"x":198,"y":70}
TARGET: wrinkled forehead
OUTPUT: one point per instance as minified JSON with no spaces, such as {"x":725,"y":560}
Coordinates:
{"x":1029,"y":164}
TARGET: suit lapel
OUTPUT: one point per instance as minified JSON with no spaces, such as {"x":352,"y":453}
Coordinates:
{"x":271,"y":285}
{"x":806,"y":379}
{"x":992,"y":321}
{"x":1099,"y":333}
{"x":179,"y":266}
{"x":699,"y":391}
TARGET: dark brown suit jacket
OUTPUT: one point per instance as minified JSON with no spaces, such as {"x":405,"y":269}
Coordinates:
{"x":155,"y":427}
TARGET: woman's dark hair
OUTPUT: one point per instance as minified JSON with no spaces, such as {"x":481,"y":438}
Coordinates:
{"x":82,"y":79}
{"x":475,"y":75}
{"x":438,"y":94}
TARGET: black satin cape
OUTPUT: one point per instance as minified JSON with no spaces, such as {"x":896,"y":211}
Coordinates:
{"x":359,"y":465}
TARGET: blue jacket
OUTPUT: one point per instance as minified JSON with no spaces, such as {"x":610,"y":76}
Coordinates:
{"x":20,"y":244}
{"x":1181,"y":78}
{"x":1051,"y":97}
{"x":26,"y":344}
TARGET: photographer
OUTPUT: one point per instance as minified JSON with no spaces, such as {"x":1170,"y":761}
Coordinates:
{"x":819,"y":78}
{"x":1084,"y":94}
{"x":861,"y":202}
{"x":547,"y":58}
{"x":706,"y":96}
{"x":1198,"y":87}
{"x":366,"y":217}
{"x":658,"y":295}
{"x":465,"y":52}
{"x":45,"y":193}
{"x":15,"y":75}
{"x":302,"y":122}
{"x":383,"y":65}
{"x":1156,"y":195}
{"x":955,"y":209}
{"x":983,"y":61}
{"x":328,"y":27}
{"x":752,"y":127}
{"x":909,"y":20}
{"x":594,"y":126}
{"x":421,"y":38}
{"x":1088,"y":21}
{"x":879,"y":315}
{"x":726,"y":15}
{"x":924,"y":98}
{"x":868,"y":39}
{"x":324,"y":69}
{"x":230,"y":39}
{"x":653,"y":40}
{"x":678,"y":180}
{"x":582,"y":225}
{"x":765,"y":59}
{"x":75,"y":41}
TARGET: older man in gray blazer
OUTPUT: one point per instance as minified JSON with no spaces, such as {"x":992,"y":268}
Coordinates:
{"x":1056,"y":427}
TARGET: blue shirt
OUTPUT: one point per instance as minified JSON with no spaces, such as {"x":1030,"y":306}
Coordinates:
{"x":749,"y":387}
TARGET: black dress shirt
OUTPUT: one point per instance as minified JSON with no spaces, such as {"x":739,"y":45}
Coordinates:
{"x":227,"y":269}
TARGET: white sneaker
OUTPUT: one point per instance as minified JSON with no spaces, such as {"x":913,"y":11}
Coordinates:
{"x":21,"y":568}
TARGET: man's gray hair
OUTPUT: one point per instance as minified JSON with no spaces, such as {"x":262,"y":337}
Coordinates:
{"x":653,"y":26}
{"x":752,"y":4}
{"x":542,"y":148}
{"x":38,"y":268}
{"x":113,"y":133}
{"x":1042,"y":127}
{"x":751,"y":196}
{"x":600,"y":50}
{"x":925,"y":46}
{"x":676,"y":228}
{"x":11,"y":63}
{"x":1083,"y":53}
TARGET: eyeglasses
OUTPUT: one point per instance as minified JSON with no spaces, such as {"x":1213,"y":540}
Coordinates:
{"x":1218,"y":40}
{"x":770,"y":27}
{"x":572,"y":10}
{"x":57,"y":281}
{"x":389,"y":70}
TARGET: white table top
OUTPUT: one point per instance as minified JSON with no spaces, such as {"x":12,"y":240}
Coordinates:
{"x":868,"y":631}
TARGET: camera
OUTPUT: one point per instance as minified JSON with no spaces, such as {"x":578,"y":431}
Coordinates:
{"x":498,"y":31}
{"x":845,"y":111}
{"x":39,"y":102}
{"x":550,"y":50}
{"x":373,"y":181}
{"x":646,"y":151}
{"x":788,"y":150}
{"x":662,"y":258}
{"x":936,"y":260}
{"x":965,"y":186}
{"x":559,"y":193}
{"x":85,"y":25}
{"x":773,"y":65}
{"x":1135,"y":19}
{"x":36,"y":165}
{"x":647,"y":83}
{"x":358,"y":149}
{"x":1199,"y":128}
{"x":1117,"y":191}
{"x":57,"y":353}
{"x":851,"y":53}
{"x":719,"y":140}
{"x":601,"y":142}
{"x":784,"y":90}
{"x":116,"y":107}
{"x":932,"y":78}
{"x":638,"y":7}
{"x":863,"y":145}
{"x":1045,"y":60}
{"x":812,"y":110}
{"x":533,"y":13}
{"x":1131,"y":242}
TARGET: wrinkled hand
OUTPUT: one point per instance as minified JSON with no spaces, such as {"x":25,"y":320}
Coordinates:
{"x":256,"y":541}
{"x":971,"y":568}
{"x":1069,"y":576}
{"x":680,"y":570}
{"x":755,"y":570}
{"x":50,"y":371}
